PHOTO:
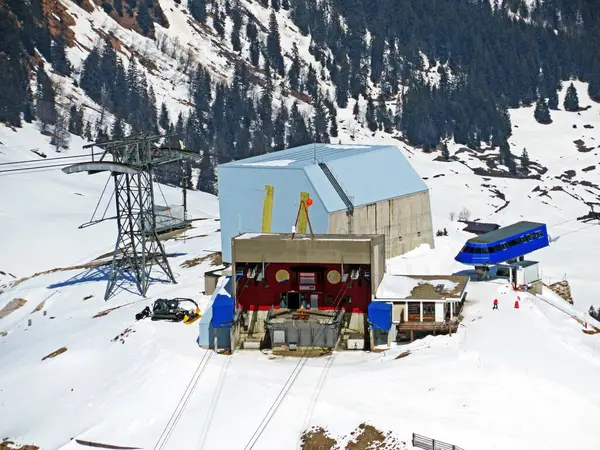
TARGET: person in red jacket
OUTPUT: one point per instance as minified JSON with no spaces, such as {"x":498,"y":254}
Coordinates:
{"x":495,"y":304}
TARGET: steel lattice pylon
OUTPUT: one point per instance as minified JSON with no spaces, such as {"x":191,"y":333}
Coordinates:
{"x":138,"y":248}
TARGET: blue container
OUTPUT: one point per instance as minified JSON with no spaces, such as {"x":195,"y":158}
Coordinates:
{"x":380,"y":315}
{"x":223,"y":310}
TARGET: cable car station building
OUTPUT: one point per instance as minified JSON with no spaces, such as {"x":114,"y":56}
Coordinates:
{"x":302,"y":291}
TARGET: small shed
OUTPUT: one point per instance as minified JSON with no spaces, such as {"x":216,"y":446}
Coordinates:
{"x":218,"y":318}
{"x":424,"y":302}
{"x":521,"y":274}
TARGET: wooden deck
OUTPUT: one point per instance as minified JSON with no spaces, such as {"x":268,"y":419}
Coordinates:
{"x":428,"y":326}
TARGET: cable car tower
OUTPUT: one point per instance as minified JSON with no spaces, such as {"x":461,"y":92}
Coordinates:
{"x":132,"y":164}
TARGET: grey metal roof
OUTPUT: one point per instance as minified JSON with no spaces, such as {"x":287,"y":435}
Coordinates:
{"x":505,"y":232}
{"x":366,"y":173}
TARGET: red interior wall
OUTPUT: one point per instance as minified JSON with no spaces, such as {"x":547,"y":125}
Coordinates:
{"x":258,"y":296}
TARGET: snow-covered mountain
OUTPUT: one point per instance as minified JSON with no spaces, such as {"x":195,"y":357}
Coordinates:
{"x":509,"y":379}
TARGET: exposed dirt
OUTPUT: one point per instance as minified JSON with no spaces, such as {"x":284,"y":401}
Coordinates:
{"x":10,"y":445}
{"x":87,"y":297}
{"x":215,"y":259}
{"x":121,"y":337}
{"x":317,"y":439}
{"x":366,"y":437}
{"x":581,"y":147}
{"x":60,"y":351}
{"x":563,"y":290}
{"x":39,"y":307}
{"x":427,"y":291}
{"x":588,"y":168}
{"x":588,"y":126}
{"x":106,"y":311}
{"x":12,"y":306}
{"x":403,"y":355}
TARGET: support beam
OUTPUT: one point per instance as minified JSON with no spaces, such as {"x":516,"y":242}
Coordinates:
{"x":303,"y":217}
{"x":268,"y":209}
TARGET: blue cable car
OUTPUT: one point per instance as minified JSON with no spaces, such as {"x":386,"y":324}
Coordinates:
{"x":504,"y":244}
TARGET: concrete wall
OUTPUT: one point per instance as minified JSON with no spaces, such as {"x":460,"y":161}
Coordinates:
{"x":377,"y":263}
{"x":301,"y":250}
{"x":241,"y":201}
{"x":401,"y":219}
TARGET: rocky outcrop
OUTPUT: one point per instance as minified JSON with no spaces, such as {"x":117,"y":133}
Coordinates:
{"x":563,"y":290}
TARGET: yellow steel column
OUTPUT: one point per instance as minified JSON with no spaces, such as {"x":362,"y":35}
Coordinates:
{"x":302,"y":218}
{"x":267,"y":209}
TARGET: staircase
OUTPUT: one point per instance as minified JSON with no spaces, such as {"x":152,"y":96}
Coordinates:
{"x":340,"y":191}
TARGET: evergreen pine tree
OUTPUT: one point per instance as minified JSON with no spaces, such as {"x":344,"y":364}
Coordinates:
{"x":91,"y":79}
{"x":118,"y":4}
{"x":311,"y":81}
{"x":370,"y":115}
{"x":218,"y":22}
{"x":295,"y":68}
{"x":320,"y":119}
{"x":206,"y":179}
{"x":28,"y":110}
{"x":285,"y":4}
{"x":59,"y":57}
{"x":512,"y":165}
{"x":275,"y":4}
{"x":542,"y":113}
{"x":118,"y":129}
{"x":274,"y":46}
{"x":356,"y":110}
{"x":553,"y":99}
{"x":198,"y":9}
{"x":279,"y":128}
{"x":252,"y":34}
{"x":164,"y":120}
{"x":524,"y":160}
{"x":144,"y":20}
{"x":45,"y":99}
{"x":73,"y":113}
{"x":333,"y":130}
{"x":445,"y":152}
{"x":571,"y":102}
{"x":341,"y":88}
{"x":87,"y":134}
{"x":594,"y":81}
{"x":505,"y":153}
{"x":298,"y":129}
{"x":236,"y":41}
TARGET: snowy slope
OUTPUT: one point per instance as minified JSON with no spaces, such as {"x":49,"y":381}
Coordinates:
{"x":516,"y":379}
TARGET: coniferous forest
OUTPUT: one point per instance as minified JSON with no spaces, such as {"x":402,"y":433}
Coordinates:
{"x":490,"y":56}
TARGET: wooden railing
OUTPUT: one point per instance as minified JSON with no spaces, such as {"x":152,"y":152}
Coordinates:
{"x":426,"y":443}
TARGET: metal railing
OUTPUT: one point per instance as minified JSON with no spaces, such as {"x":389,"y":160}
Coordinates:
{"x":427,"y":443}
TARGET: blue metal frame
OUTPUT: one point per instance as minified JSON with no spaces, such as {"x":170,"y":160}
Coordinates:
{"x":505,"y":249}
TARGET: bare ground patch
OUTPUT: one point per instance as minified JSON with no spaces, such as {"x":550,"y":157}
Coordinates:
{"x":12,"y":306}
{"x":317,"y":439}
{"x":364,"y":437}
{"x":215,"y":259}
{"x":581,"y":147}
{"x":60,"y":351}
{"x":10,"y":445}
{"x":106,"y":311}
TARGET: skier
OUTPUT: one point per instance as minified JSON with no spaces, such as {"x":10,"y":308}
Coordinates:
{"x":495,"y":304}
